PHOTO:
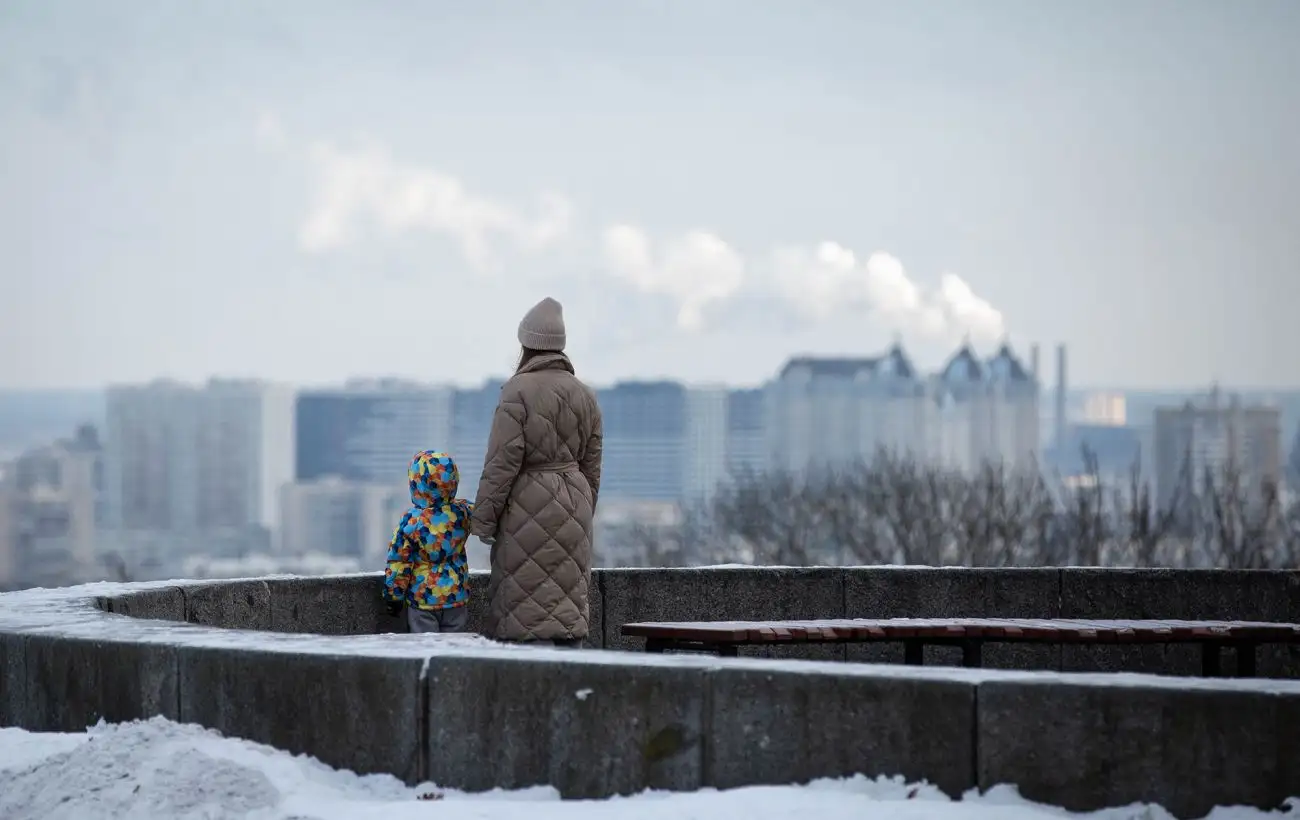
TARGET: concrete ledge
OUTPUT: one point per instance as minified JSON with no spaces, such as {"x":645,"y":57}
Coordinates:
{"x":13,"y":679}
{"x":926,"y":592}
{"x":339,"y":605}
{"x":165,"y":603}
{"x":723,"y":593}
{"x":1091,"y":747}
{"x":589,"y":729}
{"x":72,"y":684}
{"x":229,"y":604}
{"x":780,"y":727}
{"x":354,"y":713}
{"x":471,"y":714}
{"x":349,"y":605}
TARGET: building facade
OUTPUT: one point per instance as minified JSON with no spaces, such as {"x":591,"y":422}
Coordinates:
{"x":335,"y":517}
{"x":646,"y":425}
{"x":367,"y":431}
{"x":50,"y":499}
{"x":195,"y":459}
{"x":1213,"y":437}
{"x":828,"y":412}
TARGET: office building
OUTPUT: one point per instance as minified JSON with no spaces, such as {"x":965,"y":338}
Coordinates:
{"x":335,"y":517}
{"x":181,"y":458}
{"x":645,"y":433}
{"x":828,"y":412}
{"x":368,"y":431}
{"x":1215,"y":437}
{"x":49,"y":505}
{"x":705,"y":445}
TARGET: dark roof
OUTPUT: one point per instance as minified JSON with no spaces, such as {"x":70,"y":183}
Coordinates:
{"x":963,"y":367}
{"x":835,"y":368}
{"x":840,"y":367}
{"x":1005,"y":365}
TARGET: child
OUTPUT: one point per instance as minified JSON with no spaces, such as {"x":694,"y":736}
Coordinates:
{"x":428,"y":570}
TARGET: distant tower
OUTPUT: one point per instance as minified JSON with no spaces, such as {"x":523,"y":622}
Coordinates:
{"x":1033,"y":363}
{"x":1060,"y":399}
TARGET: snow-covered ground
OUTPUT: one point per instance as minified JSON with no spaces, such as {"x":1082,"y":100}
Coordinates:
{"x":159,"y":769}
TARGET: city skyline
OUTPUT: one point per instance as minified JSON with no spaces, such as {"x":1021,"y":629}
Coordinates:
{"x":926,"y":367}
{"x":268,"y":189}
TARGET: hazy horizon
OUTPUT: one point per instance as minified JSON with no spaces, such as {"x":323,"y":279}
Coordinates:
{"x":308,"y":192}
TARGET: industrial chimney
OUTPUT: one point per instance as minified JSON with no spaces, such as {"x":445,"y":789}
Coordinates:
{"x":1060,"y":400}
{"x":1033,"y":363}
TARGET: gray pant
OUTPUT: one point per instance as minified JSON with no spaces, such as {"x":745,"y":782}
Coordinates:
{"x":455,"y":619}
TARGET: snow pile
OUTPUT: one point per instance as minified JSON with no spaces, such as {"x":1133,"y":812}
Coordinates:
{"x":158,"y":769}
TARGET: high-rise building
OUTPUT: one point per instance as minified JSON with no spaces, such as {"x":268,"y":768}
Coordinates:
{"x":471,"y":423}
{"x":367,"y":431}
{"x":1215,"y":437}
{"x":1105,"y":408}
{"x":705,"y":445}
{"x":332,"y":516}
{"x":8,"y":536}
{"x":826,"y":412}
{"x":50,"y":502}
{"x":746,"y":448}
{"x":181,"y":458}
{"x":645,"y":432}
{"x":984,"y":412}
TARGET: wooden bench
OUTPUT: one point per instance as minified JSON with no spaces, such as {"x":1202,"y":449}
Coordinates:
{"x":726,"y":637}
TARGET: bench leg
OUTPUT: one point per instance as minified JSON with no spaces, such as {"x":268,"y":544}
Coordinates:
{"x":972,"y":654}
{"x":728,"y":650}
{"x":914,"y":652}
{"x":655,"y":645}
{"x":1210,"y":660}
{"x":1245,"y":660}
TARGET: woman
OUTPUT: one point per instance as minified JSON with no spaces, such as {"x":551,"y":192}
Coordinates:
{"x":537,"y":495}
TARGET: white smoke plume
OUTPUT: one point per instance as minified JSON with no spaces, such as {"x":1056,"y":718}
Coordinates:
{"x":832,"y":280}
{"x":695,"y":269}
{"x":367,"y":189}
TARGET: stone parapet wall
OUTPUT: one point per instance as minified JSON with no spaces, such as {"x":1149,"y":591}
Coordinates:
{"x":308,"y":665}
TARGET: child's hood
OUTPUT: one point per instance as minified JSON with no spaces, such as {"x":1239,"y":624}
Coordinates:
{"x":433,"y":478}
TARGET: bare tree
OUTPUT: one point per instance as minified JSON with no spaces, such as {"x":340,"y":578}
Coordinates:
{"x":1147,"y":525}
{"x":773,"y":514}
{"x":915,"y":505}
{"x":894,"y":508}
{"x":852,"y":515}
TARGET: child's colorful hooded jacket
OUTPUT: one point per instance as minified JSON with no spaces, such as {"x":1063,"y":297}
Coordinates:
{"x":427,"y":565}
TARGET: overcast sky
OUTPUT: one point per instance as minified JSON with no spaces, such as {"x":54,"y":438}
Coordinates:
{"x":309,"y":190}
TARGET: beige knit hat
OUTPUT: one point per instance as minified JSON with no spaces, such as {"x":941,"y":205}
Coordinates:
{"x":542,"y":328}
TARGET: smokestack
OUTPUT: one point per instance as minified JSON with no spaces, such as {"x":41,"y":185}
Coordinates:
{"x":1060,"y":399}
{"x":1033,"y":362}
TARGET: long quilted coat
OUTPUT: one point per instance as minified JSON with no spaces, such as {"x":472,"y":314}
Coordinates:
{"x":536,"y":500}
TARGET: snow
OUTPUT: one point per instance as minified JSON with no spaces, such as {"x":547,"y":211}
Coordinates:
{"x":158,"y":769}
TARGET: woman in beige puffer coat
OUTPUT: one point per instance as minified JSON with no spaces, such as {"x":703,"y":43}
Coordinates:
{"x":537,"y":495}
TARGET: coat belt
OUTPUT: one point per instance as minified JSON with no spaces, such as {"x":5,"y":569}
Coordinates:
{"x":552,"y":467}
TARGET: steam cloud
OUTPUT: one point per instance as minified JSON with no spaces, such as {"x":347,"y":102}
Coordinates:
{"x":831,"y":280}
{"x":368,"y":189}
{"x":695,"y":269}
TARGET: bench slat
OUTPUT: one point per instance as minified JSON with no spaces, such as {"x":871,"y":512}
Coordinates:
{"x":1031,"y":630}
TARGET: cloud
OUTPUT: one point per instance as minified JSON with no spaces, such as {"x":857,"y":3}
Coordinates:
{"x":831,"y":280}
{"x":270,"y":132}
{"x":364,"y":193}
{"x":695,"y":269}
{"x":366,"y":190}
